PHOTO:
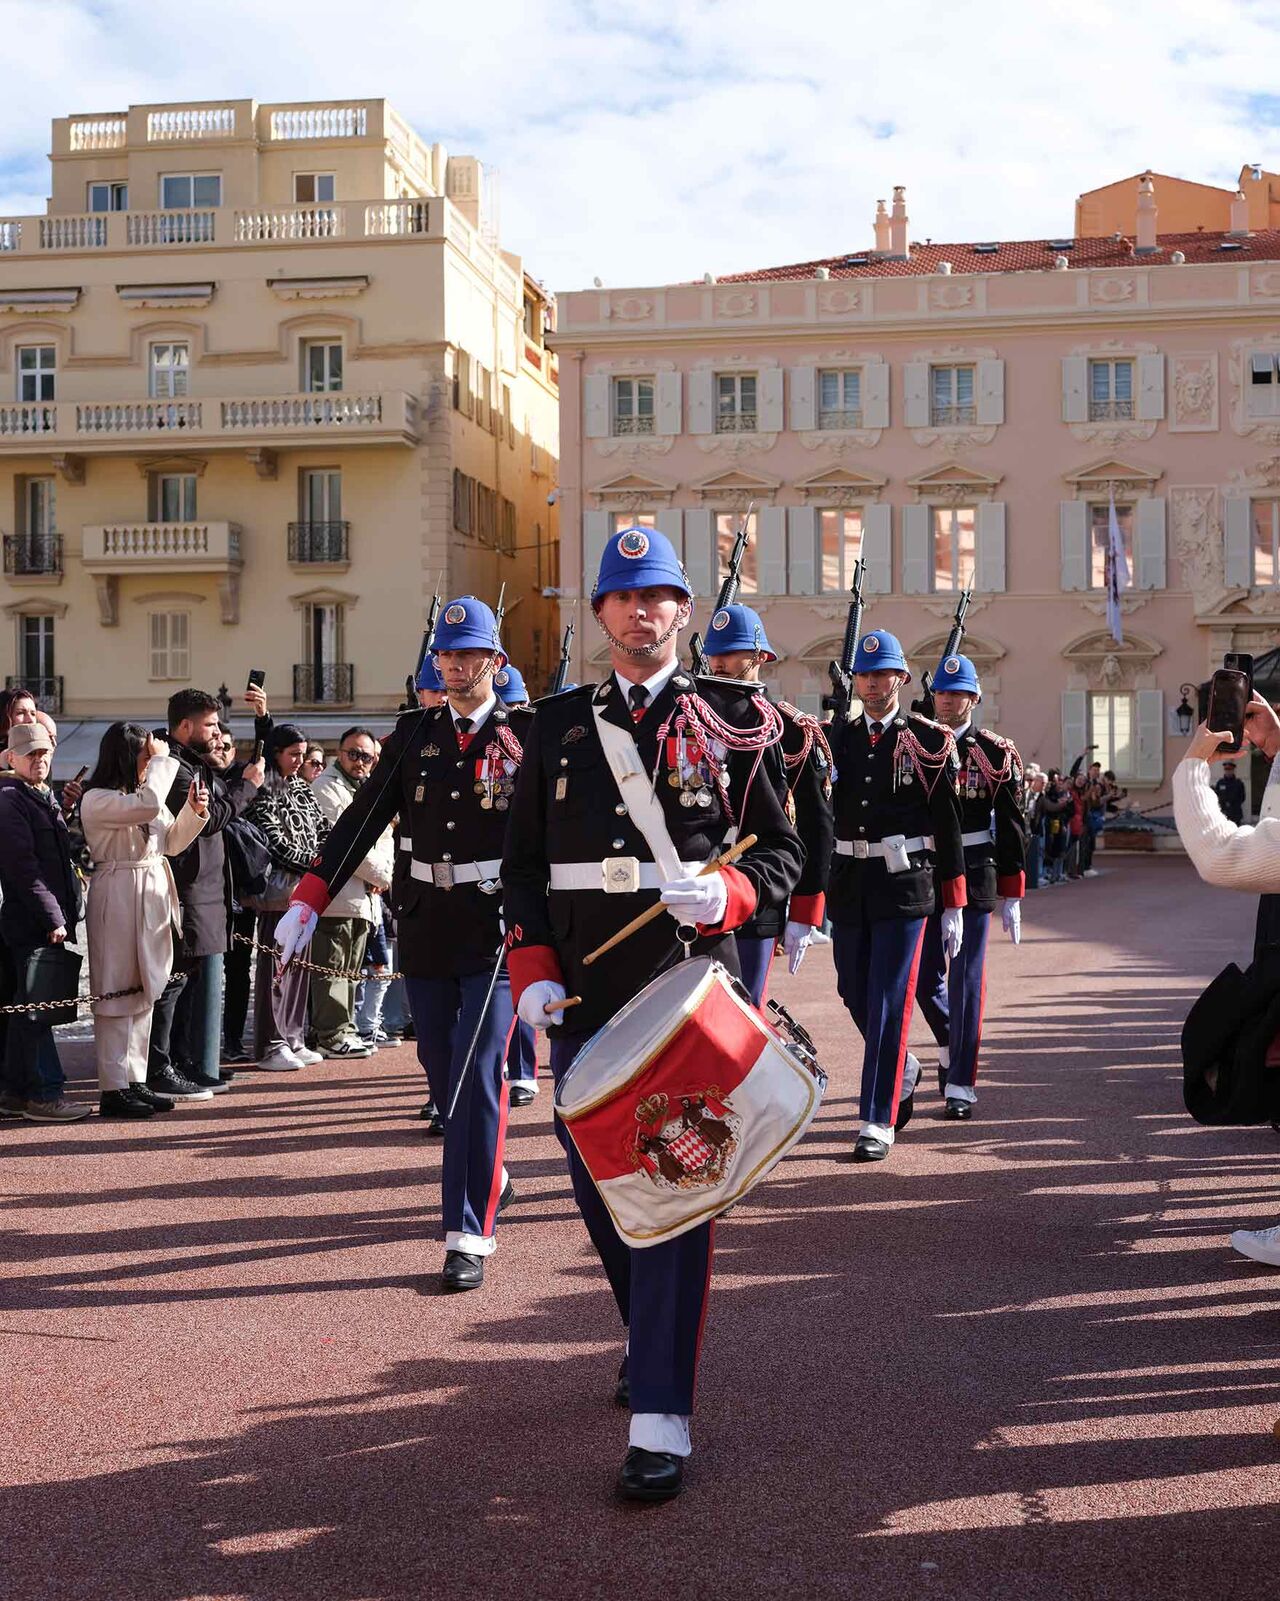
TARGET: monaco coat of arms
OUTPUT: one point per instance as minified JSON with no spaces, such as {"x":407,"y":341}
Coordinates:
{"x":686,"y":1144}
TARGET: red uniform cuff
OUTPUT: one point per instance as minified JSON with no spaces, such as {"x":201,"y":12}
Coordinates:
{"x":529,"y":964}
{"x":1013,"y":886}
{"x":312,"y":891}
{"x":955,"y":892}
{"x":811,"y":909}
{"x":740,"y":905}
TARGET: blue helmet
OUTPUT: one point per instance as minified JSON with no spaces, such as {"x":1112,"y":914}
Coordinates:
{"x":467,"y":624}
{"x":639,"y":558}
{"x":429,"y":675}
{"x":508,"y":683}
{"x":957,"y":673}
{"x":738,"y":628}
{"x":880,"y":649}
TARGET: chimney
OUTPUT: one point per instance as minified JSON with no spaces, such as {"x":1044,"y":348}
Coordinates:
{"x":1239,"y":228}
{"x":898,"y":221}
{"x":882,"y":229}
{"x":1146,"y":243}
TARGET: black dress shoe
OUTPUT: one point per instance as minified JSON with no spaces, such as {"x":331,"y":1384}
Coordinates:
{"x":148,"y":1097}
{"x":522,"y":1095}
{"x":622,"y":1389}
{"x":957,"y":1110}
{"x":435,"y":1123}
{"x":905,"y":1108}
{"x":462,"y":1271}
{"x":505,"y":1199}
{"x":650,"y":1475}
{"x":869,"y":1149}
{"x":119,"y":1103}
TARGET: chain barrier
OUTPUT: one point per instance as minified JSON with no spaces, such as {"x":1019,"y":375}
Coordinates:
{"x":61,"y":1006}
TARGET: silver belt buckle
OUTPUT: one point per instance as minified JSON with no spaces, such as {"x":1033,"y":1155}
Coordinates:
{"x":442,"y":875}
{"x":621,"y":874}
{"x":861,"y":849}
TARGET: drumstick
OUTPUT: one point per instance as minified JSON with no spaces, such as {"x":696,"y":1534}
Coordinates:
{"x":650,"y":912}
{"x":564,"y":1005}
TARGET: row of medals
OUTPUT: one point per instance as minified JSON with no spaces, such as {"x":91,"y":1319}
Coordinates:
{"x":495,"y":792}
{"x":692,"y":779}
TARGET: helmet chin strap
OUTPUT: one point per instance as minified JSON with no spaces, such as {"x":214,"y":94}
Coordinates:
{"x":491,"y":666}
{"x":641,"y":652}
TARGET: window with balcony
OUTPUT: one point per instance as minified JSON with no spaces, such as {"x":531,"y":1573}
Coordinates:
{"x":313,"y":188}
{"x":321,"y":366}
{"x":322,"y":677}
{"x":35,"y":549}
{"x":840,"y":399}
{"x":954,"y":547}
{"x":35,"y":651}
{"x":736,"y":409}
{"x":951,"y":397}
{"x":840,"y":545}
{"x":173,"y":498}
{"x":186,"y":191}
{"x":169,"y":634}
{"x":727,"y":525}
{"x":1100,"y":541}
{"x":1265,"y":573}
{"x":1110,"y":391}
{"x":168,"y":368}
{"x":107,"y":197}
{"x":1111,"y":733}
{"x":37,"y":373}
{"x":632,"y":405}
{"x":1262,"y":393}
{"x":320,"y":533}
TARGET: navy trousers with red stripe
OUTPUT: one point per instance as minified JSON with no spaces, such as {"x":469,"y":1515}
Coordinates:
{"x":755,"y":957}
{"x":952,"y":999}
{"x":445,"y":1013}
{"x":876,"y":967}
{"x":661,"y":1290}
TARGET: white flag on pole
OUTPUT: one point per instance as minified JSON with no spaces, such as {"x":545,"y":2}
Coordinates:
{"x":1117,"y":574}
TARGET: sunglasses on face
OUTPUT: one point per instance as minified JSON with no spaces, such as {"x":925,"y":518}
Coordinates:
{"x":358,"y":755}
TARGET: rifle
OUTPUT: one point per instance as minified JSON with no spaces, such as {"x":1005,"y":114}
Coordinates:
{"x":841,"y":672}
{"x":729,"y":589}
{"x":925,"y":704}
{"x":500,"y":610}
{"x":562,"y":670}
{"x":411,"y":683}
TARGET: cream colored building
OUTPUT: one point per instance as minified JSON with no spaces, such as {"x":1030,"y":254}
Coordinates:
{"x":265,"y":373}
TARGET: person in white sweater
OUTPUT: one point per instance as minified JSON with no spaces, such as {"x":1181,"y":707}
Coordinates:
{"x":1234,"y":856}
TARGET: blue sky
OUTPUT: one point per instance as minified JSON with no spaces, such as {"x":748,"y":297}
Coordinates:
{"x":648,"y":142}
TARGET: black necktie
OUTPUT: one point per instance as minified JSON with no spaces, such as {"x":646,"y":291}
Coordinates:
{"x":875,"y":730}
{"x":638,"y":695}
{"x":463,"y":726}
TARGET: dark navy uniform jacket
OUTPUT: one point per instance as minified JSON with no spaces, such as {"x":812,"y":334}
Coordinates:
{"x":805,"y":790}
{"x":568,"y":810}
{"x":430,"y":782}
{"x":869,"y":805}
{"x":998,"y":865}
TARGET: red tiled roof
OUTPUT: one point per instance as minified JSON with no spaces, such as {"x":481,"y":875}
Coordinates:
{"x":1028,"y":255}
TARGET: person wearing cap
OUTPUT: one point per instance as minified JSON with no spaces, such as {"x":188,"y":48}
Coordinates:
{"x":995,"y":858}
{"x":736,"y":648}
{"x":41,"y":906}
{"x":898,"y":855}
{"x":449,"y":772}
{"x":1231,"y":794}
{"x":509,"y":684}
{"x":429,"y":684}
{"x":571,"y":832}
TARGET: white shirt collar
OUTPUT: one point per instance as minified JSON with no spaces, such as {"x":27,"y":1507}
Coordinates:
{"x":887,"y":721}
{"x":654,"y":685}
{"x":478,"y":716}
{"x":958,"y":733}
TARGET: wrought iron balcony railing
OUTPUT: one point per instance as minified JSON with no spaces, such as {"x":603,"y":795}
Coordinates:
{"x":323,"y":683}
{"x":33,"y":556}
{"x":325,"y":543}
{"x":736,"y":422}
{"x":1110,"y":410}
{"x":47,"y":692}
{"x":952,"y":416}
{"x":633,"y":425}
{"x":846,"y":417}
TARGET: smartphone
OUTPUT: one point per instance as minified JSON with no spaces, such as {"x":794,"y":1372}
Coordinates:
{"x":1242,"y":663}
{"x":1229,"y":691}
{"x":79,"y":778}
{"x":257,"y":678}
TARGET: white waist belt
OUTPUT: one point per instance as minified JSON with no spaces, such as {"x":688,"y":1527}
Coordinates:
{"x":980,"y":836}
{"x":590,"y":875}
{"x":406,"y":844}
{"x":446,"y":874}
{"x":862,"y":848}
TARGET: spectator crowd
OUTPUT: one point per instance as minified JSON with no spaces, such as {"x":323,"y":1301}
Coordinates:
{"x":1064,"y":817}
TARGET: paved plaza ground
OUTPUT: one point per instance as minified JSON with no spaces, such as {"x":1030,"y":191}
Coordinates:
{"x":1018,"y":1360}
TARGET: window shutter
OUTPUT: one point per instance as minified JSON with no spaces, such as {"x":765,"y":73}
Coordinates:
{"x":180,"y":644}
{"x":666,"y":403}
{"x":988,"y":577}
{"x":771,"y":550}
{"x":875,"y":394}
{"x":915,"y":549}
{"x":1075,"y":724}
{"x":1073,"y":535}
{"x":915,"y":394}
{"x":1075,"y":389}
{"x":804,"y":385}
{"x":698,"y":551}
{"x":877,"y":548}
{"x":596,"y":527}
{"x":769,"y":401}
{"x":1150,"y":388}
{"x":701,"y":411}
{"x":1149,"y":765}
{"x":1238,"y":541}
{"x":159,"y":645}
{"x":990,"y":392}
{"x":671,"y":523}
{"x":802,"y":542}
{"x":466,"y":397}
{"x":595,"y":405}
{"x":1149,"y":544}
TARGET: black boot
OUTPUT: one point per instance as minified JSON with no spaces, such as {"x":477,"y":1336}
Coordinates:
{"x":119,"y":1103}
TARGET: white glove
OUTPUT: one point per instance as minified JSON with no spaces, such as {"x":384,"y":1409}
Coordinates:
{"x":952,"y":930}
{"x":294,"y":931}
{"x":1011,"y":919}
{"x":697,"y":900}
{"x":796,"y":941}
{"x":535,"y":1000}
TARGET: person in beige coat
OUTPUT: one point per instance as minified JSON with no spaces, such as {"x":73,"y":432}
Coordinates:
{"x":133,"y":903}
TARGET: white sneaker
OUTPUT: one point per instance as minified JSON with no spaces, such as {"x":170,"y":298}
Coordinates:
{"x":305,"y":1057}
{"x":1263,"y":1245}
{"x":281,"y":1060}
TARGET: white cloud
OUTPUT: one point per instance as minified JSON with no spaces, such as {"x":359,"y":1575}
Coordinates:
{"x":653,"y":141}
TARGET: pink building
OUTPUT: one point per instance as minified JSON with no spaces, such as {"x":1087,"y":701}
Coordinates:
{"x":962,"y":413}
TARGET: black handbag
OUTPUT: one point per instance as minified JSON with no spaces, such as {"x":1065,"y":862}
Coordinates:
{"x":52,"y":973}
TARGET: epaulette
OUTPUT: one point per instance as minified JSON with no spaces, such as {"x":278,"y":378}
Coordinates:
{"x":998,"y":739}
{"x":565,"y":695}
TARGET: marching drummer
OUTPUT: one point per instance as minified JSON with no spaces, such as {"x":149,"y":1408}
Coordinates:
{"x":995,"y":856}
{"x":570,"y":829}
{"x":522,"y":1049}
{"x":450,"y":773}
{"x":737,"y":647}
{"x":897,"y":853}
